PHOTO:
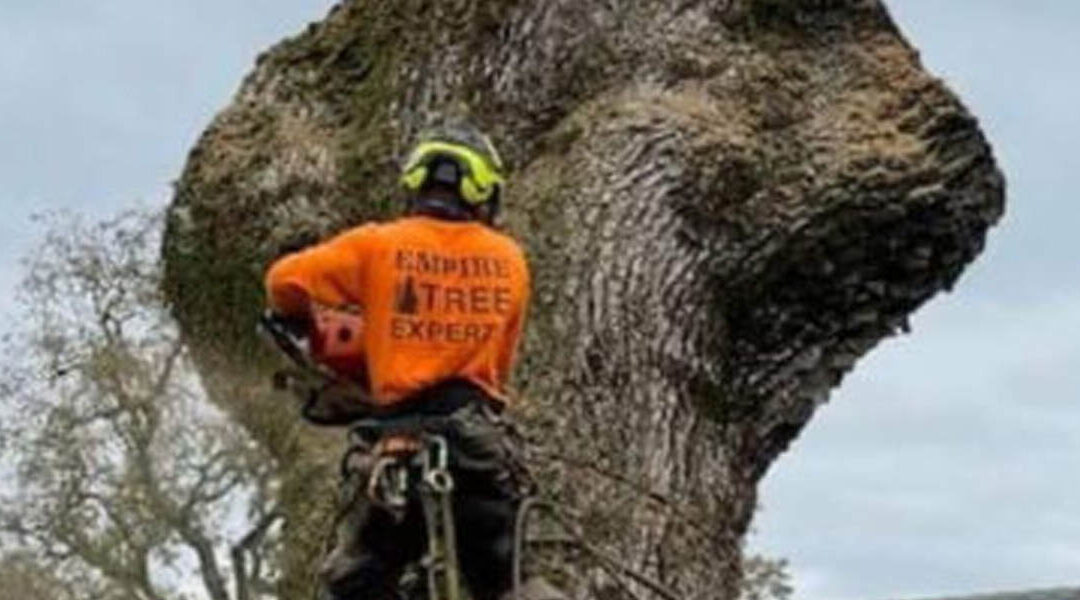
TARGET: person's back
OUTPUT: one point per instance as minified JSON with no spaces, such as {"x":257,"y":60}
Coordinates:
{"x":440,"y":299}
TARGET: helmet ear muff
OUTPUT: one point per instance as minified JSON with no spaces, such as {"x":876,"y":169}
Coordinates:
{"x":473,"y":192}
{"x":414,"y":178}
{"x":494,"y":205}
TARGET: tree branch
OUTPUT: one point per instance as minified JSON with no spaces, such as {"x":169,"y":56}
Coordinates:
{"x":248,"y":544}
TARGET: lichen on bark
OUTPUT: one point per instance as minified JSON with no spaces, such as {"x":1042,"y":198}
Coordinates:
{"x":726,"y":204}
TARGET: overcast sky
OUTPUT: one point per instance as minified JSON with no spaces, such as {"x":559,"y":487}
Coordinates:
{"x":945,"y":465}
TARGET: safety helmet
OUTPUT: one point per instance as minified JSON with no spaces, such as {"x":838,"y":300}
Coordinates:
{"x":457,"y":155}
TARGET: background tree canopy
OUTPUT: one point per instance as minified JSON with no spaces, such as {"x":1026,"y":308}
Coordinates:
{"x":129,"y":484}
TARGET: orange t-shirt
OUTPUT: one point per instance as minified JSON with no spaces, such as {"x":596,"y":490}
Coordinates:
{"x":439,"y":299}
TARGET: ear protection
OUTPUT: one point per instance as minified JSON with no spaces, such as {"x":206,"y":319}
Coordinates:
{"x":479,"y":181}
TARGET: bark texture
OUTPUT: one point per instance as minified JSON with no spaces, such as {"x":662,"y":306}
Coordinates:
{"x":726,"y":204}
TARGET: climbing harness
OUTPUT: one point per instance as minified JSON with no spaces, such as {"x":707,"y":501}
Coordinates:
{"x":408,"y":457}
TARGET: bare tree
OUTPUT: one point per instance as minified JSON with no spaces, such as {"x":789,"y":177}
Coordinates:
{"x":765,"y":579}
{"x":127,"y":478}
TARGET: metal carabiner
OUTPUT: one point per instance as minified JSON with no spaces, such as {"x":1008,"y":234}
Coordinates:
{"x":437,"y":465}
{"x":382,"y":488}
{"x":440,"y":481}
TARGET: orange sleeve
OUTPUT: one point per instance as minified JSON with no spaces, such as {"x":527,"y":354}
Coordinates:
{"x":330,"y":273}
{"x":515,"y":325}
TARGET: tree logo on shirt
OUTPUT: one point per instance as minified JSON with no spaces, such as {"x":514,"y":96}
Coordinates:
{"x":406,"y":300}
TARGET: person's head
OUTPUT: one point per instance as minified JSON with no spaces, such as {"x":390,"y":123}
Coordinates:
{"x":454,"y":172}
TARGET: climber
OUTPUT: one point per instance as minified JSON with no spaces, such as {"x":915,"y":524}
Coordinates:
{"x":442,"y":296}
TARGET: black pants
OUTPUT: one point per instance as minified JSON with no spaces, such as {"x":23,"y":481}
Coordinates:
{"x":372,"y":546}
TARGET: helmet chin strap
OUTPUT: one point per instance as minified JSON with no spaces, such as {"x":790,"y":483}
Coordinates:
{"x":441,"y":206}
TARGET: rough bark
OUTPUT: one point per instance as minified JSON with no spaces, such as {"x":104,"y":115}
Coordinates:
{"x":726,"y":204}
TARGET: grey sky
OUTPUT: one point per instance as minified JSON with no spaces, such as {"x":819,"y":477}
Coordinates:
{"x":100,"y":101}
{"x":944,"y":465}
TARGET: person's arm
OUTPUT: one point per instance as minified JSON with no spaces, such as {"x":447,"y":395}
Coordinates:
{"x":329,"y":274}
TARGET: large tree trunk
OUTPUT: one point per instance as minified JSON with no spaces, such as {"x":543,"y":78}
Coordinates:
{"x":726,"y":204}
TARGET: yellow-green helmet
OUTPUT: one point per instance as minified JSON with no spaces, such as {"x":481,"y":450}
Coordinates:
{"x":478,"y":163}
